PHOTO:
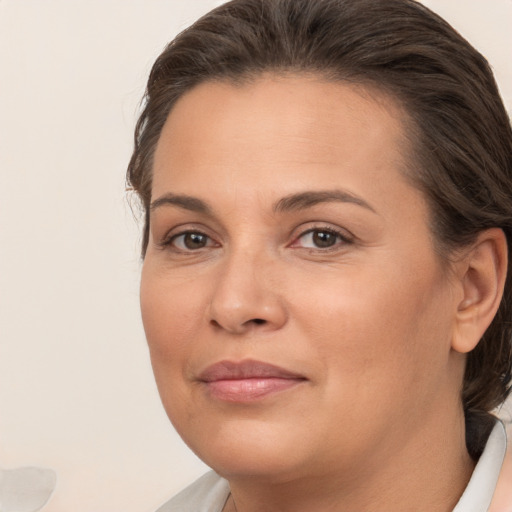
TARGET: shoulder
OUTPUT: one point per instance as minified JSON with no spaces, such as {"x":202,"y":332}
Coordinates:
{"x":207,"y":494}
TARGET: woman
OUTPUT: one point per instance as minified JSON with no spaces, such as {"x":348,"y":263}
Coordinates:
{"x":327,"y":187}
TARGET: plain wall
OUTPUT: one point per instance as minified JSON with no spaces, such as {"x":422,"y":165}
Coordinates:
{"x":76,"y":388}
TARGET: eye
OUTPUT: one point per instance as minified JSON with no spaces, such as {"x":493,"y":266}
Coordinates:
{"x":321,"y":238}
{"x":191,"y":241}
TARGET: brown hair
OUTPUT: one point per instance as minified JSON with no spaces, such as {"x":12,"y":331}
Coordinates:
{"x":462,"y":136}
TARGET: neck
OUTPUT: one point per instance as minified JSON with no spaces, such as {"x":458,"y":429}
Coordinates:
{"x":425,"y":473}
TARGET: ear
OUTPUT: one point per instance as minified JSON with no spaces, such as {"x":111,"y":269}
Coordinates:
{"x":482,"y":272}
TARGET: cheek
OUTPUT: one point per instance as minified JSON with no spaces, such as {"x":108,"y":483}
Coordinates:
{"x":171,"y":314}
{"x":379,"y":326}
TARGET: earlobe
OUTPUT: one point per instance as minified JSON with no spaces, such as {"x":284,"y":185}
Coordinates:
{"x":484,"y":269}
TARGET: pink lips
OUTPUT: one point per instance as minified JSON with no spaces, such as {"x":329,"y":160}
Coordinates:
{"x":247,"y":381}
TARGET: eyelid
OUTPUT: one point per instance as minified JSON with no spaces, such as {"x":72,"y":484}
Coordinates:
{"x":345,"y":236}
{"x":167,"y":240}
{"x":183,"y":235}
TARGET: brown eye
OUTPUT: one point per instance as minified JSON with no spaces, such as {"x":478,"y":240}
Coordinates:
{"x":324,"y":238}
{"x":191,"y":241}
{"x":195,"y":240}
{"x":321,"y":238}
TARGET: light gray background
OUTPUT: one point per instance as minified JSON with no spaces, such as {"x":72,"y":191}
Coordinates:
{"x":76,"y":389}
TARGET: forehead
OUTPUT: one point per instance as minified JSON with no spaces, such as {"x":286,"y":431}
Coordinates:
{"x":280,"y":130}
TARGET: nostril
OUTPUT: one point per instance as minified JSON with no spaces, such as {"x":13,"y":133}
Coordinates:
{"x":256,"y":321}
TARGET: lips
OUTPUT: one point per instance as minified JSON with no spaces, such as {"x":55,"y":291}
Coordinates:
{"x":247,"y":381}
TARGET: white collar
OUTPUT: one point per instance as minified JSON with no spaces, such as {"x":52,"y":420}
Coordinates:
{"x":210,"y":492}
{"x":478,"y":494}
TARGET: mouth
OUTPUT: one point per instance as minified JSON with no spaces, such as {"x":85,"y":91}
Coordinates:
{"x":247,"y":381}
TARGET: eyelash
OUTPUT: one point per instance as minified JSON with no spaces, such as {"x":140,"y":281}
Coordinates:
{"x":171,"y":240}
{"x":341,"y":238}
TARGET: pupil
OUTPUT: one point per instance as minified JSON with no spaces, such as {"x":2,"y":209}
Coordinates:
{"x":194,"y":240}
{"x":324,"y":239}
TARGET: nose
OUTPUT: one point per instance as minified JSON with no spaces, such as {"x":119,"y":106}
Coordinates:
{"x":247,"y":295}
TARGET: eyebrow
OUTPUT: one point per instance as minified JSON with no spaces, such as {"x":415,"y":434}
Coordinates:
{"x":292,"y":202}
{"x":181,"y":201}
{"x":304,"y":200}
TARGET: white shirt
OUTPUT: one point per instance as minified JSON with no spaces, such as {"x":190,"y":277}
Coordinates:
{"x":478,"y":494}
{"x":210,"y":492}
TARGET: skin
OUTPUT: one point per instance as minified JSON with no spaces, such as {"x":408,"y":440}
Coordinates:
{"x":376,"y":324}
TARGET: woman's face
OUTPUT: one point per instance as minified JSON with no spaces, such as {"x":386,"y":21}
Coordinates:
{"x":298,"y":318}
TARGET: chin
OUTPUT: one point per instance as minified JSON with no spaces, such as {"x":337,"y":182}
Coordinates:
{"x":242,"y":448}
